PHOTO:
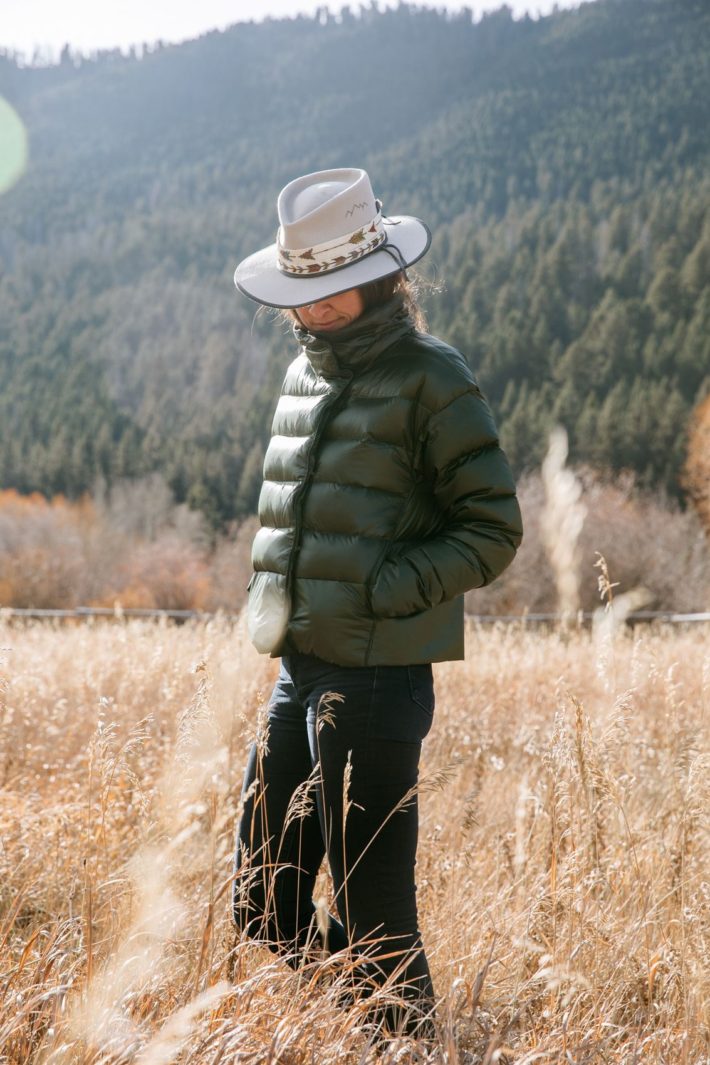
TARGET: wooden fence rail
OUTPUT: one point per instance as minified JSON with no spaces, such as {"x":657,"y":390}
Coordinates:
{"x":81,"y":613}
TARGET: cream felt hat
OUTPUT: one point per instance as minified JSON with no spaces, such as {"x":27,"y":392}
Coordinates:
{"x":332,"y":237}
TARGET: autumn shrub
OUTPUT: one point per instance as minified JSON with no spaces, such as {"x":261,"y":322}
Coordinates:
{"x":647,"y":540}
{"x":136,"y":548}
{"x":230,"y":568}
{"x":166,"y":574}
{"x":696,"y":472}
{"x":43,"y":550}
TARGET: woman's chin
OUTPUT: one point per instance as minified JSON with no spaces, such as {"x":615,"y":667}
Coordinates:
{"x":328,"y":327}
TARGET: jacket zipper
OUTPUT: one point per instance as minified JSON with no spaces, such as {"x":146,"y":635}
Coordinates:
{"x":332,"y":408}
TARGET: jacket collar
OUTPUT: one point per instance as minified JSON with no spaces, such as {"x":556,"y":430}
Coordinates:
{"x":353,"y":348}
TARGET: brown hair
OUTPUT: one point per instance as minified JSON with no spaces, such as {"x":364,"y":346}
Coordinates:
{"x":375,"y":293}
{"x":378,"y":292}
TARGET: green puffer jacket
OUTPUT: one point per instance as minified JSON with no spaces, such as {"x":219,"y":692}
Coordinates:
{"x":386,"y":496}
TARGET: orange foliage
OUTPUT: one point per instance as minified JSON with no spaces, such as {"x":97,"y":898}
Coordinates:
{"x":42,"y":549}
{"x":79,"y":512}
{"x":59,"y":553}
{"x":167,"y":574}
{"x":11,"y":499}
{"x":696,"y":473}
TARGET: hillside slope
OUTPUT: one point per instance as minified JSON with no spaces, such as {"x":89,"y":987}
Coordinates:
{"x":560,"y":162}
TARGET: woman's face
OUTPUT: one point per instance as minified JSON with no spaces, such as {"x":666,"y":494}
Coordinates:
{"x":332,"y":313}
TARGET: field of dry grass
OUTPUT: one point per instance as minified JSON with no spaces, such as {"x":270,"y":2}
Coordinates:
{"x":563,"y":873}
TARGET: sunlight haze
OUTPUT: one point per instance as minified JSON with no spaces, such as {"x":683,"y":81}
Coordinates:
{"x":86,"y":26}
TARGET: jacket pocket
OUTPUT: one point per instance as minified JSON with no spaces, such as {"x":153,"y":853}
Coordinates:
{"x":268,"y":611}
{"x":372,"y":579}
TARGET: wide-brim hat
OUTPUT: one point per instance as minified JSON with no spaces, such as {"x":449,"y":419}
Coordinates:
{"x":332,"y":237}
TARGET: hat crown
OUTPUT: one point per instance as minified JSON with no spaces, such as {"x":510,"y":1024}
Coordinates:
{"x":332,"y":237}
{"x":324,"y":206}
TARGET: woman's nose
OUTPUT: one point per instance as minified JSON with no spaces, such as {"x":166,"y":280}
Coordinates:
{"x":319,"y":308}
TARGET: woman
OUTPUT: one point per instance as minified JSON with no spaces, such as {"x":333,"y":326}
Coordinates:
{"x":386,"y":497}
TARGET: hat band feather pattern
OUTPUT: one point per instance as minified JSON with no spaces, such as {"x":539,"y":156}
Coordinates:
{"x":331,"y":255}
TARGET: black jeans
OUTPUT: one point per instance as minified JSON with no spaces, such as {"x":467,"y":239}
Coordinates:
{"x":336,"y":773}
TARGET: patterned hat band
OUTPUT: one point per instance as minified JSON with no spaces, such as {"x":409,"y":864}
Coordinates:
{"x":331,"y":255}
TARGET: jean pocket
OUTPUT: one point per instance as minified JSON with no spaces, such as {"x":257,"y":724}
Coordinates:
{"x":401,"y":704}
{"x":421,"y":687}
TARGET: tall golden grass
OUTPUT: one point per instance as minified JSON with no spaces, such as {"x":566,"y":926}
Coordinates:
{"x":563,"y":867}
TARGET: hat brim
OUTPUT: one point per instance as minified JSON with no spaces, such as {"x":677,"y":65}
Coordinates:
{"x":259,"y":277}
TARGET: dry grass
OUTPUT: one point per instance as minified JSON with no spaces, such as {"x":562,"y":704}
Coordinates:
{"x":563,"y":873}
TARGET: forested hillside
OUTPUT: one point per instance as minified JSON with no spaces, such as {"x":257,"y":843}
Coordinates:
{"x":562,"y":162}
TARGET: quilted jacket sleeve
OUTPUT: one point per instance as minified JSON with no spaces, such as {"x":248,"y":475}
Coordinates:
{"x":481,"y":523}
